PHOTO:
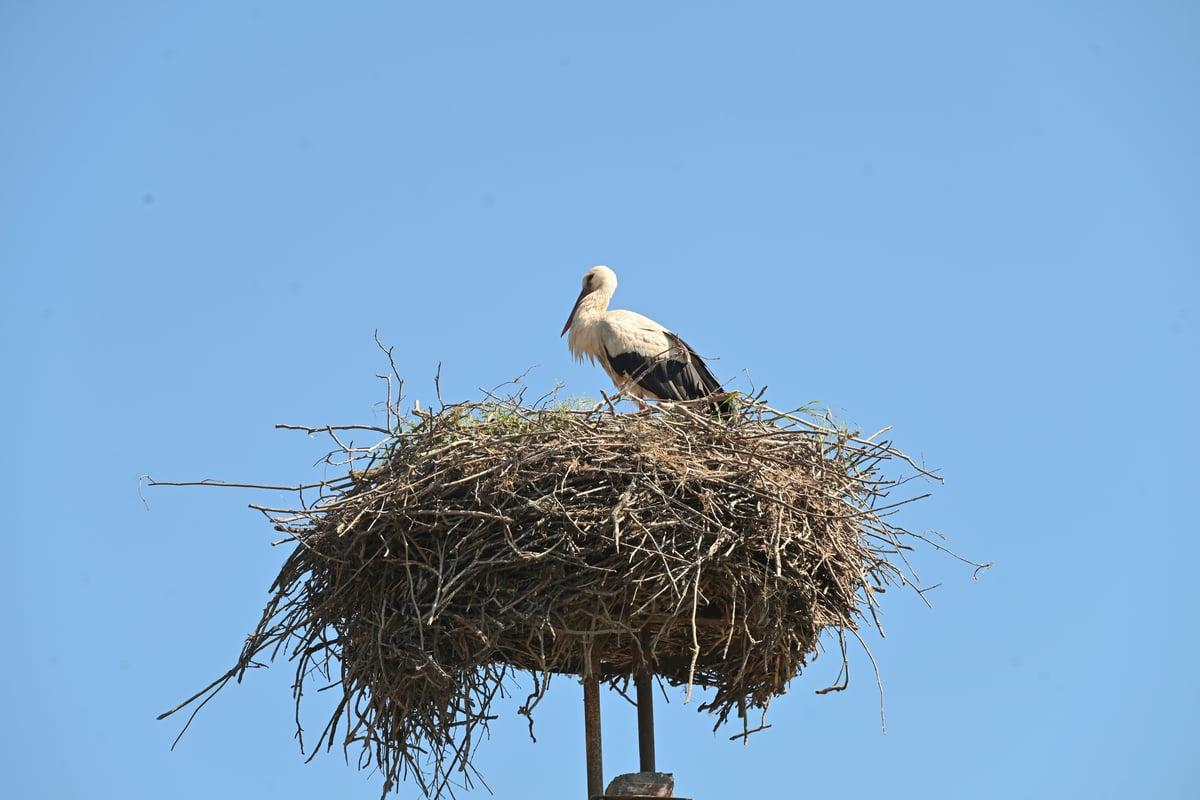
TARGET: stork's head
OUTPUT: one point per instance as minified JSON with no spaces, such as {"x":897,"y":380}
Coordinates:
{"x":600,"y":281}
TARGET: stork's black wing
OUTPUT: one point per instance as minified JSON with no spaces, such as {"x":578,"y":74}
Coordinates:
{"x":678,"y":374}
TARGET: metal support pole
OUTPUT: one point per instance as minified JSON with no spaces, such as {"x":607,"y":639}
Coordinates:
{"x":591,"y":729}
{"x":644,"y":684}
{"x":645,"y":710}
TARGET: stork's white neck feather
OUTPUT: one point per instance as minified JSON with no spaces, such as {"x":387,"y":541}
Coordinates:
{"x":584,"y":338}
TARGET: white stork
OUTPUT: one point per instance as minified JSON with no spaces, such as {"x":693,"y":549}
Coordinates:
{"x":641,"y":356}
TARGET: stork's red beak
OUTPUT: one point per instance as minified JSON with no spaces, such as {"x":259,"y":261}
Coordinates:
{"x":574,"y":308}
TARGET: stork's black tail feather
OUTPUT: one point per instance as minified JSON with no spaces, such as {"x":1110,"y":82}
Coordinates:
{"x":703,"y":382}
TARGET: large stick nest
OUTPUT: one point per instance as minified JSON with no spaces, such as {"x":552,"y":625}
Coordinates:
{"x":493,"y":538}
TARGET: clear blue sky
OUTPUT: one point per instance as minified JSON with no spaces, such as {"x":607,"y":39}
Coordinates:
{"x":978,"y":223}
